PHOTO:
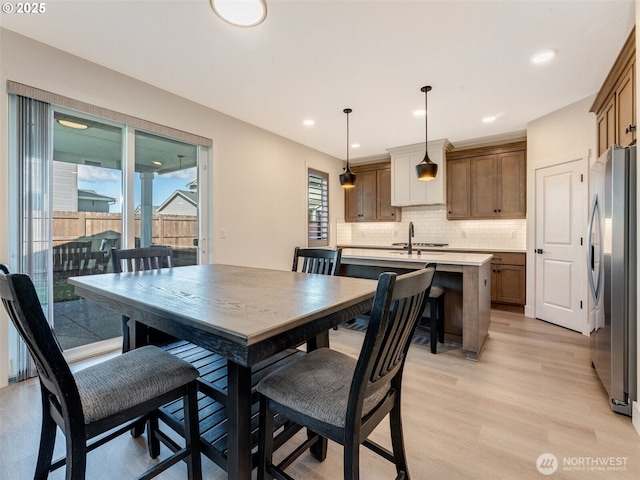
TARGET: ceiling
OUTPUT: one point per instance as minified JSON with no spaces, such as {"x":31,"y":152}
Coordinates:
{"x":312,"y":59}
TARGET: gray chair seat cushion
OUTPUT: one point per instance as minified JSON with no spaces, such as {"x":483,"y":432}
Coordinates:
{"x":318,"y":386}
{"x":436,"y":291}
{"x":129,"y":380}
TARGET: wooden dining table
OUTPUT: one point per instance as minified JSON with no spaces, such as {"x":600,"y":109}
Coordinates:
{"x":244,"y":314}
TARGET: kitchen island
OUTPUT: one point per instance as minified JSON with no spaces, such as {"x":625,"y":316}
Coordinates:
{"x":466,"y":278}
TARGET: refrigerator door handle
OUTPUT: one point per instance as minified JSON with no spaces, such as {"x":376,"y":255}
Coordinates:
{"x":595,"y":228}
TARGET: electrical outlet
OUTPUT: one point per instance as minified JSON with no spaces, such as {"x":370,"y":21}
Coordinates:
{"x":223,"y":233}
{"x":513,"y":234}
{"x":465,"y":234}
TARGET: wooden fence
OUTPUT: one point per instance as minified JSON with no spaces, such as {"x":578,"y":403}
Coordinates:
{"x":179,"y":231}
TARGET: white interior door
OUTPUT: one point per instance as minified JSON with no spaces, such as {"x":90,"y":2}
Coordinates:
{"x":560,"y":261}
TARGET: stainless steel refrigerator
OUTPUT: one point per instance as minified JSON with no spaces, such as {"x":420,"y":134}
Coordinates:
{"x":611,"y":262}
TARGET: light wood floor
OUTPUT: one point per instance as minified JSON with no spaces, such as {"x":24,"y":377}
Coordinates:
{"x":533,"y":392}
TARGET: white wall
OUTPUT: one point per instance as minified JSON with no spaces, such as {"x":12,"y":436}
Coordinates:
{"x":258,"y":178}
{"x":565,"y":135}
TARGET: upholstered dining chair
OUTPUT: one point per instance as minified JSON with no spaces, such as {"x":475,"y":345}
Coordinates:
{"x":94,"y":405}
{"x":342,"y":398}
{"x":317,"y":260}
{"x":135,"y":260}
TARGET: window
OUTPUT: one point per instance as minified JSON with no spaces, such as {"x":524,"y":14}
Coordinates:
{"x":318,"y":203}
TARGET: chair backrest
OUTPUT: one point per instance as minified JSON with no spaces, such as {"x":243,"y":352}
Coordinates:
{"x":71,"y":257}
{"x":137,"y":259}
{"x":317,"y":260}
{"x":23,"y":306}
{"x":397,"y":306}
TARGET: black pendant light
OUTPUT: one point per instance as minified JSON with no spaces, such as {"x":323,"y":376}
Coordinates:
{"x":347,"y":178}
{"x":426,"y":170}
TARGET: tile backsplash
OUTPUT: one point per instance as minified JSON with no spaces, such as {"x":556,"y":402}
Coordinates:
{"x":431,"y":225}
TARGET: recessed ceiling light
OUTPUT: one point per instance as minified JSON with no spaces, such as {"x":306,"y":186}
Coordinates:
{"x":489,"y":119}
{"x":245,"y":13}
{"x":70,"y":124}
{"x":308,"y":122}
{"x":155,"y":162}
{"x":355,"y":145}
{"x":544,"y":56}
{"x":419,"y":113}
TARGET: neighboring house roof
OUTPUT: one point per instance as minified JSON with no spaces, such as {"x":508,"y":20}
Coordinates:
{"x":139,"y":208}
{"x":92,"y":195}
{"x":193,"y":185}
{"x":190,"y":196}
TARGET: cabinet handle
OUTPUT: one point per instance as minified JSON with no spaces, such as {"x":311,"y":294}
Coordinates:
{"x":629,"y":129}
{"x":495,"y":210}
{"x":449,"y":212}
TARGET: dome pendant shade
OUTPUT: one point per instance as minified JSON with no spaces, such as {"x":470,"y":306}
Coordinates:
{"x":347,"y":178}
{"x":426,"y":170}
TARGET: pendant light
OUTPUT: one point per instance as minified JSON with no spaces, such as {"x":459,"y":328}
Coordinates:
{"x":347,"y":178}
{"x":426,"y":170}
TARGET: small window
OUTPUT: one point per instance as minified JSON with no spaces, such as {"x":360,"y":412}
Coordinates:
{"x":318,"y":201}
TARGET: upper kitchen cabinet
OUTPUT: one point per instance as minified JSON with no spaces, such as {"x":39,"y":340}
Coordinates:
{"x":615,"y":104}
{"x":406,"y":189}
{"x":370,"y":199}
{"x":487,"y":182}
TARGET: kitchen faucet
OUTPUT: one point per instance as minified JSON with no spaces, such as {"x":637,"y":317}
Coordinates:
{"x":411,"y":234}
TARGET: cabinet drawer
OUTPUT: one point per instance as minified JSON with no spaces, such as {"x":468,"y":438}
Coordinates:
{"x":509,"y":258}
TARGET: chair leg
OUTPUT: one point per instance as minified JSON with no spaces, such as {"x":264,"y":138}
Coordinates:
{"x":153,"y":443}
{"x":47,"y":441}
{"x":397,"y":439}
{"x":352,"y":459}
{"x":192,"y":433}
{"x":433,"y":324}
{"x":265,"y":440}
{"x":440,"y":326}
{"x":76,"y":455}
{"x":126,"y":338}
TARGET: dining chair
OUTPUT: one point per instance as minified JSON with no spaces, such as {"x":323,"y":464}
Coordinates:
{"x":135,"y":260}
{"x":342,"y":398}
{"x":317,"y":260}
{"x":94,"y":405}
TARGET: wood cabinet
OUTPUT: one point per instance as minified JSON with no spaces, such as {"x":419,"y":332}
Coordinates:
{"x":406,"y":189}
{"x":508,"y":277}
{"x":487,"y":183}
{"x":458,"y":189}
{"x":615,"y":104}
{"x":370,"y":199}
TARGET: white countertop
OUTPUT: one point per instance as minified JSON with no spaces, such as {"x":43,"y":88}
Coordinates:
{"x":450,"y":248}
{"x":443,"y":257}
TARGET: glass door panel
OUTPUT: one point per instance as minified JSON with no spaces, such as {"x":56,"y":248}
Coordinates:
{"x":87,"y":222}
{"x":166,"y":196}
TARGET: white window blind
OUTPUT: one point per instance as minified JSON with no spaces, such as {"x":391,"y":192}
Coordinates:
{"x":318,"y":203}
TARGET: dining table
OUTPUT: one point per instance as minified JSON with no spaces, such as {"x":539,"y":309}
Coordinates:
{"x":245,"y":314}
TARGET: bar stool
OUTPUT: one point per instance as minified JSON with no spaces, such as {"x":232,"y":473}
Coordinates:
{"x":436,"y":320}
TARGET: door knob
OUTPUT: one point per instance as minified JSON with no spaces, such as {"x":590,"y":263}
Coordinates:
{"x":539,"y":250}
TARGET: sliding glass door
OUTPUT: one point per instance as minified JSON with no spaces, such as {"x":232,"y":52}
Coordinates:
{"x":101,"y":185}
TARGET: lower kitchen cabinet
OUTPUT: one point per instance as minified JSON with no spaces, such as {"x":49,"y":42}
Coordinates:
{"x":508,"y":277}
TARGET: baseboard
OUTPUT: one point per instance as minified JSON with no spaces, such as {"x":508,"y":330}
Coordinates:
{"x":635,"y":416}
{"x":529,"y":311}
